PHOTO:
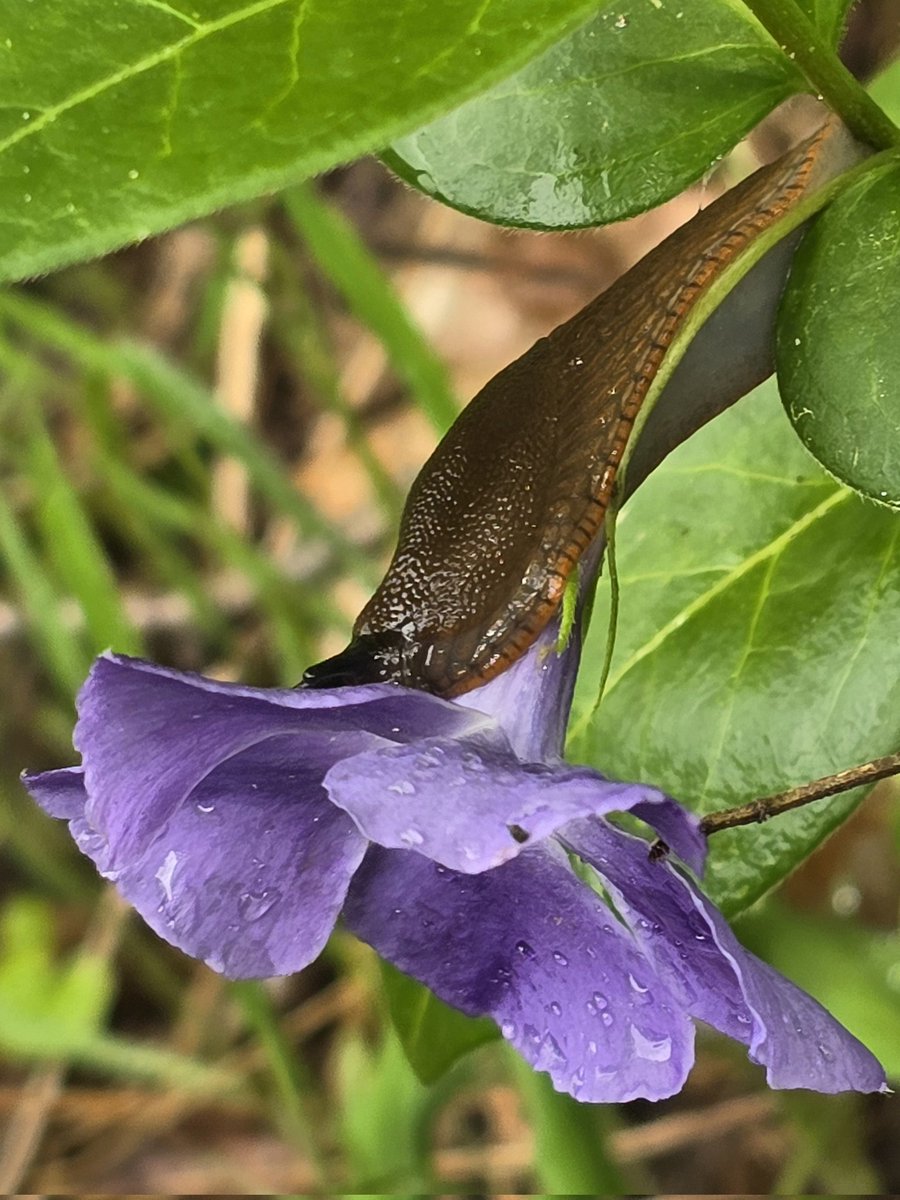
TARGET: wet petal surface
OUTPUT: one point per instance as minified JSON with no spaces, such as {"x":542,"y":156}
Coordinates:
{"x":148,"y":736}
{"x":469,"y":804}
{"x":248,"y":872}
{"x":533,"y":947}
{"x":800,"y":1044}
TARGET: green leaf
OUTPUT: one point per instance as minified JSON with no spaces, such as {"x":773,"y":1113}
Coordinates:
{"x":838,"y":350}
{"x":166,"y":111}
{"x":853,"y":971}
{"x":618,"y":117}
{"x":383,"y":1108}
{"x":433,"y":1034}
{"x":758,"y":642}
{"x":51,"y":1010}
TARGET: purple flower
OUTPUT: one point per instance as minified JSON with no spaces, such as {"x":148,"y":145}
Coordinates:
{"x":241,"y":822}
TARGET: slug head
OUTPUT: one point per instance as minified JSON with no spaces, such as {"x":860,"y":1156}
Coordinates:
{"x":370,"y":658}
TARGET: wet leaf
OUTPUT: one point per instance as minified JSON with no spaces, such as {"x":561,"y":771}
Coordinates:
{"x":120,"y":120}
{"x":616,"y":118}
{"x":839,"y":338}
{"x":758,"y":644}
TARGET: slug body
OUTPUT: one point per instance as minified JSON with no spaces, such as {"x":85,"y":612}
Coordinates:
{"x":517,"y":490}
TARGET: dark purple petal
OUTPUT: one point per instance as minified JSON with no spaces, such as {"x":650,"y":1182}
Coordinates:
{"x":800,"y":1044}
{"x":248,"y":873}
{"x":148,"y":736}
{"x":469,"y":803}
{"x":533,"y":947}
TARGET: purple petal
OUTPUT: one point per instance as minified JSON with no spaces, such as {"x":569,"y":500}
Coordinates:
{"x":248,"y":873}
{"x":148,"y":736}
{"x":534,"y":948}
{"x":59,"y":793}
{"x":800,"y":1044}
{"x":469,"y":803}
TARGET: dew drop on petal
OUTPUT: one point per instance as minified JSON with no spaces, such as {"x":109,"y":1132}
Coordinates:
{"x":508,"y":1029}
{"x":555,"y":1007}
{"x":403,"y":787}
{"x":411,"y":837}
{"x":647,"y":1048}
{"x":560,"y":958}
{"x":525,"y":949}
{"x":607,"y":1019}
{"x":600,"y":1001}
{"x":254,"y":905}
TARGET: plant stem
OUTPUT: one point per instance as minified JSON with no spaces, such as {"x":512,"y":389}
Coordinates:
{"x":781,"y":802}
{"x":799,"y":38}
{"x":286,"y":1072}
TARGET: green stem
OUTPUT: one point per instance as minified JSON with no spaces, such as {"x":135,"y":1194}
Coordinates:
{"x":286,"y":1072}
{"x":799,"y":38}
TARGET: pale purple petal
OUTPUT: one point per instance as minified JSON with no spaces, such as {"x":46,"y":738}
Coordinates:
{"x":148,"y":735}
{"x":533,"y":947}
{"x":247,"y":873}
{"x":799,"y":1043}
{"x":469,"y":803}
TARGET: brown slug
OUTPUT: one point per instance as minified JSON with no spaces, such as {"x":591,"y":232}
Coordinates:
{"x":517,"y":490}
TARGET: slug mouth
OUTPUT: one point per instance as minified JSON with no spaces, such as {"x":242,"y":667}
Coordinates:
{"x":369,"y":658}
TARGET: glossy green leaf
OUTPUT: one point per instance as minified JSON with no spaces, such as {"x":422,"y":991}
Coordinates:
{"x":118,"y":120}
{"x":838,"y":347}
{"x":433,"y":1034}
{"x":618,"y":117}
{"x":758,"y":641}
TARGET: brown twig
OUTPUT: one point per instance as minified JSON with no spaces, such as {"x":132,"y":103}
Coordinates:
{"x":782,"y":802}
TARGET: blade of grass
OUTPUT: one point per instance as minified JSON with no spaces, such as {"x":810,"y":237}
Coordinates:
{"x":344,"y":259}
{"x":298,"y":330}
{"x":66,"y":660}
{"x":71,"y":544}
{"x":570,"y":1152}
{"x":182,"y":399}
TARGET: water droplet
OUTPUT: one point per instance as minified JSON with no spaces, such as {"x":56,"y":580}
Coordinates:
{"x":652,"y":1051}
{"x":27,"y":197}
{"x":205,"y":808}
{"x":403,"y":787}
{"x":577,"y":1081}
{"x":743,"y":1017}
{"x":411,"y":837}
{"x":600,"y":1001}
{"x":166,"y":873}
{"x":133,"y":174}
{"x":592,"y":1047}
{"x":640,"y":989}
{"x":559,"y":957}
{"x":701,"y":937}
{"x":525,"y":950}
{"x":555,"y":1007}
{"x":26,"y":116}
{"x":826,"y":1053}
{"x":508,"y":1029}
{"x":577,"y":361}
{"x":607,"y":1019}
{"x":26,"y":170}
{"x":254,"y":905}
{"x":621,"y":22}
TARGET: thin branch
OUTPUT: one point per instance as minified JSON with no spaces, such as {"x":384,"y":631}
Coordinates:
{"x":782,"y":802}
